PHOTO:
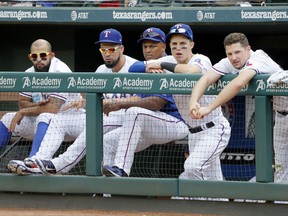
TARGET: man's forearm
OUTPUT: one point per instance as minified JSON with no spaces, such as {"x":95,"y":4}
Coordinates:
{"x":37,"y":110}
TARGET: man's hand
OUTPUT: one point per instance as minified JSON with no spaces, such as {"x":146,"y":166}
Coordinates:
{"x":201,"y":112}
{"x":194,"y":107}
{"x":42,"y":102}
{"x":154,"y":67}
{"x":111,"y":105}
{"x":16,"y":121}
{"x":79,"y":103}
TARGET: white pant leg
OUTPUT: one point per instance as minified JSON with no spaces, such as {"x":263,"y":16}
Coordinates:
{"x":68,"y":125}
{"x":280,"y":133}
{"x":110,"y":143}
{"x":113,"y":121}
{"x":24,"y":129}
{"x":146,"y":127}
{"x":74,"y":153}
{"x":205,"y":148}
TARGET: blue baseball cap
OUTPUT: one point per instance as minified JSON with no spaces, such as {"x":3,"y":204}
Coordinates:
{"x":180,"y":29}
{"x":110,"y":36}
{"x":153,"y":34}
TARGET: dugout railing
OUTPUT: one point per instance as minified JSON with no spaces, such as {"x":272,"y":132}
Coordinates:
{"x":96,"y":84}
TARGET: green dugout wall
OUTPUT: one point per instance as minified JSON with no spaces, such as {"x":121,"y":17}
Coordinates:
{"x":95,"y":84}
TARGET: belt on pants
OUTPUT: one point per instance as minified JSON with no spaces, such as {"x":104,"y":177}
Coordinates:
{"x":284,"y":113}
{"x":201,"y":127}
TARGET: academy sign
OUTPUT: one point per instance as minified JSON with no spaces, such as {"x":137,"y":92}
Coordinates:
{"x":86,"y":83}
{"x":41,"y":83}
{"x":132,"y":83}
{"x":7,"y":82}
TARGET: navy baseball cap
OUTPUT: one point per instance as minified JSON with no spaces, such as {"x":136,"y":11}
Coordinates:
{"x":180,"y":29}
{"x":153,"y":34}
{"x":110,"y":36}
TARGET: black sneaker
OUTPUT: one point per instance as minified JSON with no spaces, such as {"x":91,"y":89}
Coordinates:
{"x":46,"y":166}
{"x":113,"y":171}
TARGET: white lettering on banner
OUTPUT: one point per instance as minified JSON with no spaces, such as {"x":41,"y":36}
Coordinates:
{"x":164,"y":84}
{"x":128,"y":83}
{"x":237,"y":156}
{"x":272,"y":15}
{"x":7,"y":82}
{"x":79,"y":15}
{"x":260,"y":85}
{"x":143,"y":16}
{"x":279,"y":87}
{"x":41,"y":82}
{"x":222,"y":84}
{"x":82,"y":83}
{"x":182,"y":83}
{"x":19,"y":15}
{"x":205,"y":15}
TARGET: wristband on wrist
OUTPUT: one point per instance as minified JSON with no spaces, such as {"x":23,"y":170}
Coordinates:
{"x":168,"y":66}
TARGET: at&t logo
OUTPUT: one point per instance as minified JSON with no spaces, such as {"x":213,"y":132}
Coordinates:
{"x":73,"y":15}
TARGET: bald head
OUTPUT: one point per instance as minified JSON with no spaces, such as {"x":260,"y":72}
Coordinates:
{"x":41,"y":43}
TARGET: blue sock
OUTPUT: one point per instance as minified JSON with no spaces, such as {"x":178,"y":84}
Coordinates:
{"x":5,"y":135}
{"x":38,"y":137}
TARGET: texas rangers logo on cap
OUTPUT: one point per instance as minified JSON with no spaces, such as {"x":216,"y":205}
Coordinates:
{"x":180,"y":29}
{"x":110,"y":36}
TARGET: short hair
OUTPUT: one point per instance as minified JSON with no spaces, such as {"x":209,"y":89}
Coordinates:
{"x":42,"y":42}
{"x":236,"y":38}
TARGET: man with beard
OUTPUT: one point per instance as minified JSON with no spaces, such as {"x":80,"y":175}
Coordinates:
{"x":36,"y":108}
{"x":115,"y":61}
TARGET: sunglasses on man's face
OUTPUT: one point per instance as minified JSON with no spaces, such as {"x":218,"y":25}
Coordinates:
{"x":110,"y":50}
{"x":43,"y":56}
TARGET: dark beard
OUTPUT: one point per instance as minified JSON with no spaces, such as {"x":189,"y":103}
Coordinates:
{"x":112,"y":64}
{"x":44,"y":69}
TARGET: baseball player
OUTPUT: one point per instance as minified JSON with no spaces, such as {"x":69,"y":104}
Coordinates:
{"x":36,"y":108}
{"x":280,"y":105}
{"x":208,"y":136}
{"x":115,"y":61}
{"x":149,"y":118}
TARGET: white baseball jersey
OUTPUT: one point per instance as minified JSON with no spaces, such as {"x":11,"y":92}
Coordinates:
{"x":182,"y":101}
{"x":103,"y":69}
{"x":28,"y":123}
{"x":75,"y":152}
{"x":259,"y":61}
{"x":263,"y":64}
{"x":206,"y":146}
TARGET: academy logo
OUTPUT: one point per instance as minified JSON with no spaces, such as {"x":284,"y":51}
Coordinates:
{"x":41,"y":83}
{"x":221,"y":84}
{"x":164,"y":84}
{"x":86,"y":83}
{"x":260,"y":85}
{"x":7,"y":82}
{"x":177,"y":84}
{"x":130,"y":83}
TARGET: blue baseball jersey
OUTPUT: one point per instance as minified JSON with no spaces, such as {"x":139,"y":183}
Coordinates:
{"x":170,"y":108}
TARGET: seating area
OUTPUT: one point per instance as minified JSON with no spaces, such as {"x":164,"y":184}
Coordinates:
{"x":142,"y":3}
